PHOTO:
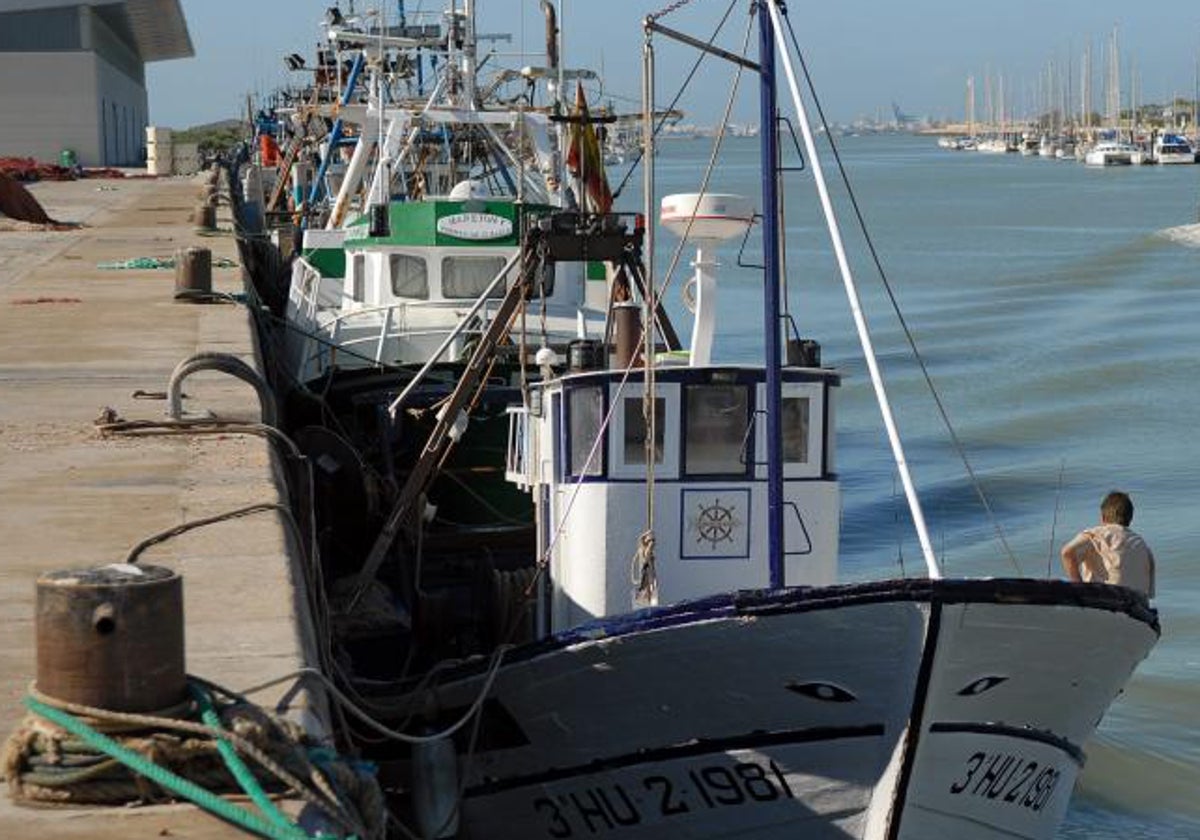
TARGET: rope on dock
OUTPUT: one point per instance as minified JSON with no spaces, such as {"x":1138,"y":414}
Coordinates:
{"x":156,"y":263}
{"x":68,"y":754}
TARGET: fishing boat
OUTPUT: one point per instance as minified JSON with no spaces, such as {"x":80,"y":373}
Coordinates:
{"x":585,"y":579}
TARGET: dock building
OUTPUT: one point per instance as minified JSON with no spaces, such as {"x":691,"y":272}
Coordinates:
{"x":72,"y":76}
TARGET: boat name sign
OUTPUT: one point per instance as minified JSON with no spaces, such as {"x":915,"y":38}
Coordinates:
{"x":475,"y":226}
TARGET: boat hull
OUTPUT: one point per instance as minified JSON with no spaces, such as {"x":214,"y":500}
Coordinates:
{"x":896,"y":710}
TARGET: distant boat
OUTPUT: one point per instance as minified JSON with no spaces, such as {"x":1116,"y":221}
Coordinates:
{"x":1172,"y":149}
{"x":1111,"y":153}
{"x":992,"y":145}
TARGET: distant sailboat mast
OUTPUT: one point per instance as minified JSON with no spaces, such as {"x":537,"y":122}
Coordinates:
{"x":1085,"y":93}
{"x":971,"y":106}
{"x":1113,"y":104}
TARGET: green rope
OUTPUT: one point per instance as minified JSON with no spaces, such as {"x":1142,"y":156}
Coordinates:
{"x":145,"y":263}
{"x":244,"y":777}
{"x":165,"y":778}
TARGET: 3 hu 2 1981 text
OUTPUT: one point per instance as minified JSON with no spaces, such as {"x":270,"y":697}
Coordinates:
{"x":608,"y":807}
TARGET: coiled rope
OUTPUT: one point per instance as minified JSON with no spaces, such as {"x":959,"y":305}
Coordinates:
{"x":66,"y":753}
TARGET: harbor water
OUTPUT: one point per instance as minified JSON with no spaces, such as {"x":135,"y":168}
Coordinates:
{"x":1056,"y":307}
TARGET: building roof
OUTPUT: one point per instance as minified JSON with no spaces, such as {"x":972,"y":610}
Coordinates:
{"x":157,"y":29}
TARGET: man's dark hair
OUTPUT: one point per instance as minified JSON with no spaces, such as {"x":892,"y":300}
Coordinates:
{"x":1117,"y":508}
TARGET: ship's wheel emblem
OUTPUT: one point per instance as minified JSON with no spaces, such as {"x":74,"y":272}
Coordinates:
{"x":715,"y":523}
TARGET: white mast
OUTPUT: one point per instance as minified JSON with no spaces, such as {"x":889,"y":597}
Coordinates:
{"x":860,"y":322}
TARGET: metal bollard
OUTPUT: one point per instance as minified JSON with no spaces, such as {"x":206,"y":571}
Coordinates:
{"x":205,"y":217}
{"x":193,"y":273}
{"x":112,"y":637}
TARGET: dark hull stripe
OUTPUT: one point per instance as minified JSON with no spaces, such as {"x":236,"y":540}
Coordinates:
{"x":913,"y":738}
{"x":767,"y":602}
{"x":749,"y":741}
{"x":1074,"y":751}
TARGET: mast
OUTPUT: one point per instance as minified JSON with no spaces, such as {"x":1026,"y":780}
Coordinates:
{"x":769,"y":144}
{"x":1085,"y":92}
{"x":970,"y":106}
{"x":469,"y":56}
{"x":839,"y":249}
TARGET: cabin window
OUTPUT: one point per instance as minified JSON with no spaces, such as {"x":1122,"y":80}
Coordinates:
{"x":410,"y":278}
{"x":794,"y":411}
{"x":802,"y":418}
{"x":635,"y":430}
{"x":585,"y":409}
{"x":358,"y":278}
{"x":468,"y":277}
{"x":718,"y":418}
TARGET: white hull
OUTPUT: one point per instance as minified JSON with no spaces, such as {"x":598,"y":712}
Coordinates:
{"x":1100,"y":158}
{"x":909,"y":709}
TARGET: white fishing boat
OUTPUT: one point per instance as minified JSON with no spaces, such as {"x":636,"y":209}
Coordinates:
{"x":656,"y":642}
{"x":426,"y":223}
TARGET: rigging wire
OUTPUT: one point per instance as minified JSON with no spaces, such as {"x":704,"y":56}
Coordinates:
{"x":678,"y":95}
{"x":941,"y":408}
{"x":1062,"y":468}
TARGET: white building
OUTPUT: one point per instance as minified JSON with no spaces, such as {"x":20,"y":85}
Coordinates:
{"x":72,"y":76}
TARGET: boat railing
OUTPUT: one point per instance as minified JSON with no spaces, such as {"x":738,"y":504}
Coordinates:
{"x":517,"y":468}
{"x":367,"y":332}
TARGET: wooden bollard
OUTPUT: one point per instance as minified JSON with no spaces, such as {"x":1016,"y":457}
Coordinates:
{"x":193,"y":273}
{"x":112,"y":637}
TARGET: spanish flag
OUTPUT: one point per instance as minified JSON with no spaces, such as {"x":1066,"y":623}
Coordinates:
{"x":584,"y":159}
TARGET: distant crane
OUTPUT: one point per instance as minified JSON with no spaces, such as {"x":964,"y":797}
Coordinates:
{"x":902,"y":119}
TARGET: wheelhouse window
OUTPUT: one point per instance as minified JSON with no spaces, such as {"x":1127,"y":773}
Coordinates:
{"x":635,"y":430}
{"x":469,"y":277}
{"x":718,"y":418}
{"x":802,"y":416}
{"x":358,"y":278}
{"x":794,"y":411}
{"x":410,"y":278}
{"x":585,"y":407}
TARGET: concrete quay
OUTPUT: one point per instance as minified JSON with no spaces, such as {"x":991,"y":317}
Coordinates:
{"x":76,"y":340}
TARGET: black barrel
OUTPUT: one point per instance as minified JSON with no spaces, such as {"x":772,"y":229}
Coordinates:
{"x":803,"y":352}
{"x":585,"y":354}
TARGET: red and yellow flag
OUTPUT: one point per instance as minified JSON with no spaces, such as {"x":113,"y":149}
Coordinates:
{"x":584,"y":160}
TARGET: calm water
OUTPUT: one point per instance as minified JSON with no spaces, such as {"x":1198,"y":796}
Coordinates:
{"x":1061,"y":326}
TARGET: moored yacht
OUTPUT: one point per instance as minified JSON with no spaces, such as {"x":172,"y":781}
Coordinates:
{"x":1111,"y":153}
{"x":1172,"y":149}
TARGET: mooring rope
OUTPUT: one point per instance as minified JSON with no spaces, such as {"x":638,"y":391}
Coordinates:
{"x":68,"y":753}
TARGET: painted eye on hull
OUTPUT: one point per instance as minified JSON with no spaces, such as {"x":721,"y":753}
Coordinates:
{"x":822,"y":691}
{"x":981,"y":685}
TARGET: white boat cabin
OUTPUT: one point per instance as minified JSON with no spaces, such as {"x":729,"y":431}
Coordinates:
{"x":391,"y":293}
{"x":580,"y":448}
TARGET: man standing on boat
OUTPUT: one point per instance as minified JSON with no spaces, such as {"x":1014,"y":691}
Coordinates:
{"x":1111,"y":552}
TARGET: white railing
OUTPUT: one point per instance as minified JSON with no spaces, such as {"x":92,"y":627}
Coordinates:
{"x":373,"y":330}
{"x":517,"y":468}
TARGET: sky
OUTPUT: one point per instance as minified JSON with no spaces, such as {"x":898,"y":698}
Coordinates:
{"x":863,"y":55}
